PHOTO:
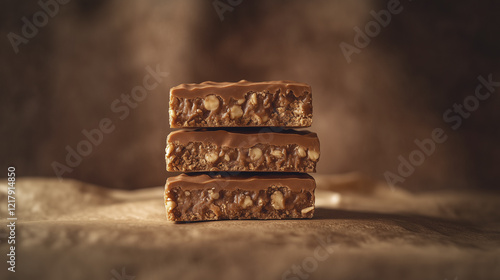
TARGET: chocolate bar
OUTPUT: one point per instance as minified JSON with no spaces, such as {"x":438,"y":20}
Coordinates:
{"x":242,"y":150}
{"x":204,"y":197}
{"x":241,"y":104}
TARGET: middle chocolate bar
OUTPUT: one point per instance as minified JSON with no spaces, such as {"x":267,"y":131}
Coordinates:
{"x":242,"y":150}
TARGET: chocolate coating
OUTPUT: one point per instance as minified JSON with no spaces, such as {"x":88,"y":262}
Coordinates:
{"x":241,"y":104}
{"x":252,"y":181}
{"x":246,"y":138}
{"x":252,"y":150}
{"x":238,"y":90}
{"x":204,"y":197}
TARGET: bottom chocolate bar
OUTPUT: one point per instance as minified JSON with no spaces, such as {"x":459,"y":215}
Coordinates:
{"x":202,"y":197}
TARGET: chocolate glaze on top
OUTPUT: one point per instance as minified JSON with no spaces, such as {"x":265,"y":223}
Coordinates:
{"x":246,"y":138}
{"x":237,"y":90}
{"x":250,"y":181}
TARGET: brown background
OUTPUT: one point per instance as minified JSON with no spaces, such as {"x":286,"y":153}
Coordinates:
{"x":366,"y":112}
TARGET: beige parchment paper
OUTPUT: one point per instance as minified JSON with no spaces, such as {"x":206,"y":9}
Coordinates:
{"x":362,"y":229}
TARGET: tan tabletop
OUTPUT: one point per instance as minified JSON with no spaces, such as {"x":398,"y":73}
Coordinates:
{"x":361,"y":230}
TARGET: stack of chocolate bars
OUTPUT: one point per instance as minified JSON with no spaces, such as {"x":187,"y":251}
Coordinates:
{"x":239,"y":157}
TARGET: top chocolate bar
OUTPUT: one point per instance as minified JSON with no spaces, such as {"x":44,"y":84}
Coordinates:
{"x":241,"y":104}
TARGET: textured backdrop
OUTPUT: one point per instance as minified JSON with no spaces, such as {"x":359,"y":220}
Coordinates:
{"x":71,"y":73}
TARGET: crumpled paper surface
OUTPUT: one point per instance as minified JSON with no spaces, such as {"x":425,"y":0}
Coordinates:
{"x":362,"y":230}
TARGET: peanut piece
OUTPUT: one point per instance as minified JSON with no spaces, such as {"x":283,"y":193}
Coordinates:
{"x":213,"y":195}
{"x":247,"y":202}
{"x":240,"y":101}
{"x":253,"y":99}
{"x":226,"y":157}
{"x":169,"y":149}
{"x":171,"y":113}
{"x":235,"y":112}
{"x":187,"y":193}
{"x":255,"y":153}
{"x":211,"y":102}
{"x":307,"y":210}
{"x":277,"y":153}
{"x":170,"y":205}
{"x":313,"y":155}
{"x":301,"y":152}
{"x":277,"y":200}
{"x":260,"y":202}
{"x":211,"y":157}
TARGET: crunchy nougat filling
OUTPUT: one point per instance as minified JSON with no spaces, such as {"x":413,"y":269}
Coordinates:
{"x":197,"y":156}
{"x":275,"y":202}
{"x":255,"y":109}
